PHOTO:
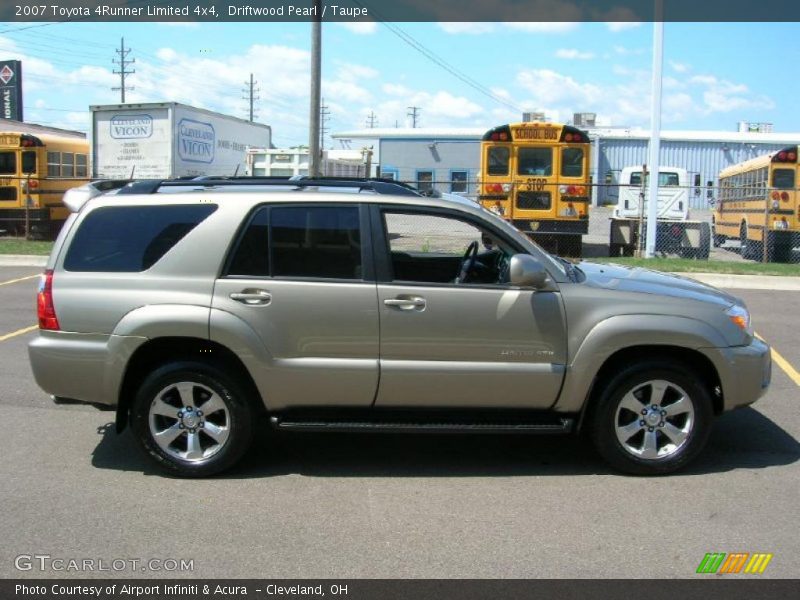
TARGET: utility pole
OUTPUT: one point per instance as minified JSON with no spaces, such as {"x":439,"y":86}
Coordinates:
{"x":123,"y":53}
{"x":324,"y":116}
{"x":413,"y":112}
{"x":314,"y":108}
{"x":251,"y":94}
{"x":372,"y":120}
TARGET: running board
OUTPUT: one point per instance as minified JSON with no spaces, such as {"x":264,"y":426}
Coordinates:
{"x":560,"y":425}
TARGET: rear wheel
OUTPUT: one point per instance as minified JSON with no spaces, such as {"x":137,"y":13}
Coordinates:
{"x":192,"y":419}
{"x":750,"y":249}
{"x":652,"y":418}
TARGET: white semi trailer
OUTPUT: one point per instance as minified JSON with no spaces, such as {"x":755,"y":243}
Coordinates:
{"x":164,"y":140}
{"x":676,"y":233}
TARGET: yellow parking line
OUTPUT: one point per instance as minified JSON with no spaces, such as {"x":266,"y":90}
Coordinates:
{"x":10,"y":281}
{"x":8,"y":336}
{"x":784,"y":364}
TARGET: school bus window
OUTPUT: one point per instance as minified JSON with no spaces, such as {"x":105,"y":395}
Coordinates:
{"x":29,"y":162}
{"x":535,"y":161}
{"x":498,"y":160}
{"x":81,"y":169}
{"x":54,"y":164}
{"x":572,"y":162}
{"x":8,"y":163}
{"x":67,"y":164}
{"x":783,"y":179}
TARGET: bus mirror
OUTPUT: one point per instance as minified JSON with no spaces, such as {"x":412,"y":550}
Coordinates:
{"x":526,"y":271}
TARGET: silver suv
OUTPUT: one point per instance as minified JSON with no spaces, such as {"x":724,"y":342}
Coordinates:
{"x":195,"y":308}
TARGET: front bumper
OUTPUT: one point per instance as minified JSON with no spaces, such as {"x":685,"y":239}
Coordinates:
{"x":745,"y":372}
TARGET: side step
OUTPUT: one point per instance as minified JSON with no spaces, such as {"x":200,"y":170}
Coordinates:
{"x":558,"y":425}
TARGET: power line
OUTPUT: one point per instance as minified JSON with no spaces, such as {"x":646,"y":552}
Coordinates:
{"x":123,"y":53}
{"x":433,"y":57}
{"x":251,"y":91}
{"x":372,"y":120}
{"x":413,"y":112}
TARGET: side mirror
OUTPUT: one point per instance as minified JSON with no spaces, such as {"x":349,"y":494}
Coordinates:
{"x":526,"y":271}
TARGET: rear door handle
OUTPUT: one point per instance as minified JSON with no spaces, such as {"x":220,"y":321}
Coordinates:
{"x":415,"y":303}
{"x":252,"y":297}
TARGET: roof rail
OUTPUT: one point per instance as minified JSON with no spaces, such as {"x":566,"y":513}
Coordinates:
{"x":379,"y":186}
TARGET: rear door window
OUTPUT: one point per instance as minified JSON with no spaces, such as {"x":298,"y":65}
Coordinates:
{"x":129,"y":239}
{"x":783,"y":179}
{"x":535,"y":161}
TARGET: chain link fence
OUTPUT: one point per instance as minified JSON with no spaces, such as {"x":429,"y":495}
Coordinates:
{"x":757,"y":225}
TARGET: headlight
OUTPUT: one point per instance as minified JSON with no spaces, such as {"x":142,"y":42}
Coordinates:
{"x":740,"y":316}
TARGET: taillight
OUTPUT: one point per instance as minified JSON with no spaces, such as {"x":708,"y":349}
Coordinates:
{"x":792,"y":156}
{"x":776,"y":195}
{"x":781,"y":156}
{"x":785,"y":196}
{"x":44,"y":303}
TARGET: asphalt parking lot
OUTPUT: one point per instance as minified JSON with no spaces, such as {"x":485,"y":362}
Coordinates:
{"x":393,"y":506}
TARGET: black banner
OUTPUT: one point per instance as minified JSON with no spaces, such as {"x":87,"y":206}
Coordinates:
{"x":702,"y":588}
{"x":11,"y":90}
{"x":528,"y":11}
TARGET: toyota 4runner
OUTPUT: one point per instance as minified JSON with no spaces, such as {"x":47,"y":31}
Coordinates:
{"x":196,"y":307}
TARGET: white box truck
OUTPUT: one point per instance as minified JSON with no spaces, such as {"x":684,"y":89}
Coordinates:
{"x":676,"y":233}
{"x":164,"y":140}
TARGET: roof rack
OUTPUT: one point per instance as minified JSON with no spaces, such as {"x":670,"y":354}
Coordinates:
{"x":379,"y":186}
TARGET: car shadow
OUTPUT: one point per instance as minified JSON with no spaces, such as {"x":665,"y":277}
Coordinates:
{"x":743,"y":439}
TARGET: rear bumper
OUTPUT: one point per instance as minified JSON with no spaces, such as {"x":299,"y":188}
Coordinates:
{"x":745,"y":372}
{"x":552,"y":226}
{"x":82,"y":367}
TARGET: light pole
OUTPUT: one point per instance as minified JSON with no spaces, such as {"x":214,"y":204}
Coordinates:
{"x":655,"y":128}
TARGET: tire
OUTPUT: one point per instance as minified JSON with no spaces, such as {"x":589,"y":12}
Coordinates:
{"x":750,"y":249}
{"x":705,"y":242}
{"x":779,"y":248}
{"x":187,"y":447}
{"x":673,"y":433}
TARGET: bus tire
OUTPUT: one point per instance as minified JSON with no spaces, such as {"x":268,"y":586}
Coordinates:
{"x":779,"y":247}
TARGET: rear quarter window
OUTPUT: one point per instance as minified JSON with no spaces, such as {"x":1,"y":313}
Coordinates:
{"x":130,"y":239}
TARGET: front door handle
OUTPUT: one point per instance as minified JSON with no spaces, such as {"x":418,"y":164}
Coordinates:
{"x":252,"y":297}
{"x":415,"y":303}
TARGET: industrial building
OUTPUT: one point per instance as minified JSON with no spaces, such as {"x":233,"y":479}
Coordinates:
{"x":449,"y":159}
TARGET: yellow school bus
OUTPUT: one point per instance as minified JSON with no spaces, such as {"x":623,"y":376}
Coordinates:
{"x":758,"y":202}
{"x":35,"y":171}
{"x":536,"y":175}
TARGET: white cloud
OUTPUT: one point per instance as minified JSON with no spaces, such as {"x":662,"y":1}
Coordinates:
{"x":573,"y":54}
{"x":396,"y":89}
{"x":617,"y":26}
{"x":453,"y":27}
{"x":550,"y":87}
{"x":543,"y":27}
{"x":679,"y":67}
{"x":354,"y":72}
{"x":360,"y":27}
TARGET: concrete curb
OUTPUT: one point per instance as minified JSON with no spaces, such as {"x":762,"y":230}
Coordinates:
{"x":746,"y":282}
{"x":720,"y":280}
{"x":22,"y":260}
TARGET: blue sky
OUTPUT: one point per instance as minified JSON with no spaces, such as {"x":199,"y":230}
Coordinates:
{"x":715,"y":74}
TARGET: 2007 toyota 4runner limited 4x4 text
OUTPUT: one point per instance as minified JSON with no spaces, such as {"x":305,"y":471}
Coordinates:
{"x":196,"y":308}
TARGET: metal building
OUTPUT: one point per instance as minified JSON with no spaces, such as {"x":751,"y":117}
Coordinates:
{"x":449,"y":159}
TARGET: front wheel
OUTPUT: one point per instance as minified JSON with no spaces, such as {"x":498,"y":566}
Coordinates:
{"x":192,"y":419}
{"x":652,"y":418}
